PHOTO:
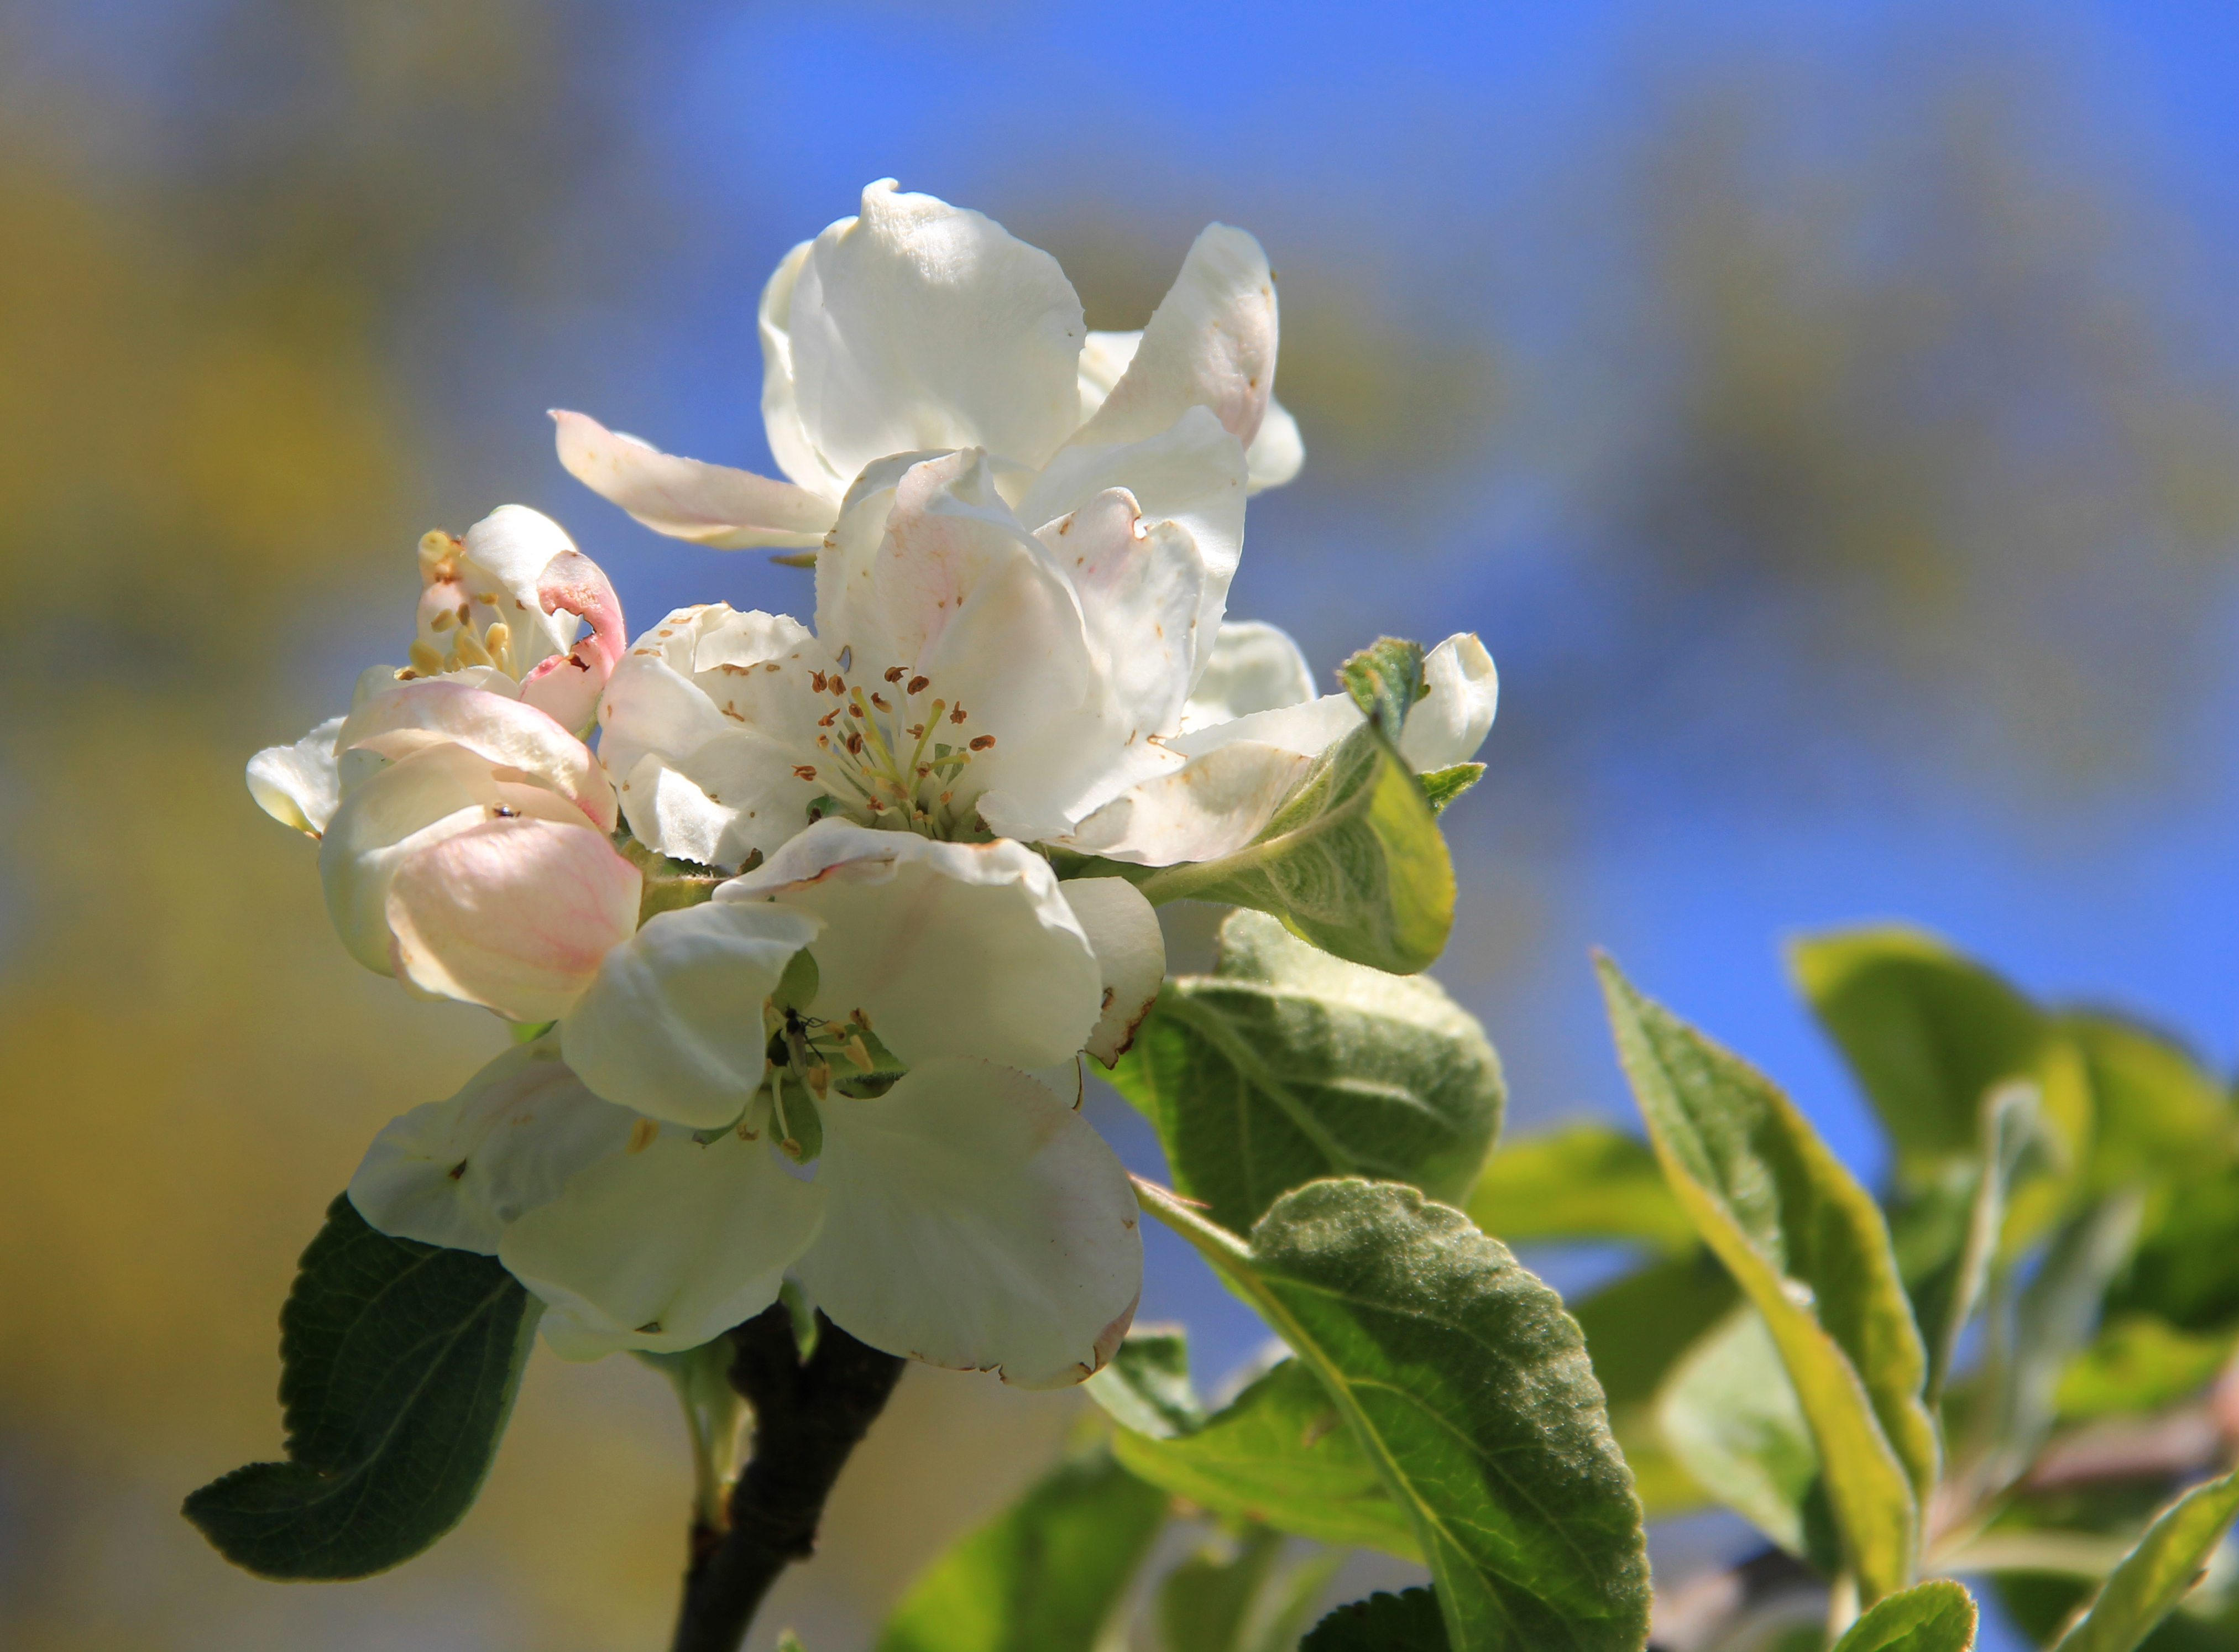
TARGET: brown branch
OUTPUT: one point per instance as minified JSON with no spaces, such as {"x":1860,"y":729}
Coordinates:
{"x":809,"y":1415}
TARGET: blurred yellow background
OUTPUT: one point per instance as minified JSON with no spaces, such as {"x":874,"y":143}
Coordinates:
{"x":1864,"y":464}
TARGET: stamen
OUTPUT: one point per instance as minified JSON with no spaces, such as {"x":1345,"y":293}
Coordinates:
{"x":880,"y":700}
{"x":957,"y":716}
{"x":919,"y":685}
{"x":425,"y":659}
{"x":804,"y":771}
{"x":895,"y":674}
{"x":444,"y":620}
{"x":981,"y":742}
{"x":641,"y":1135}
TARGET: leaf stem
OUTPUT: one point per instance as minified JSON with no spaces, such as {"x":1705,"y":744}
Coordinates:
{"x":809,"y":1417}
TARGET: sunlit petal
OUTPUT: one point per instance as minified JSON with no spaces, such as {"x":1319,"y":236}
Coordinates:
{"x":1131,"y":951}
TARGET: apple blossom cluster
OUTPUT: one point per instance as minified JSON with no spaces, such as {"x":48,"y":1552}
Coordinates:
{"x":776,"y":909}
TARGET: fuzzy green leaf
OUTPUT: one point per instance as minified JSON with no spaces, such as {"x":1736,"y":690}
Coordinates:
{"x":1467,"y":1386}
{"x":1442,"y":785}
{"x":1286,"y":1065}
{"x":399,"y":1366}
{"x":1352,"y":861}
{"x":1045,"y":1572}
{"x":1729,"y":1414}
{"x":2157,"y":1574}
{"x":1808,"y":1247}
{"x":1937,"y":1616}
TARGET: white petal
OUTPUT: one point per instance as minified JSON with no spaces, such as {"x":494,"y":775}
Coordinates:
{"x":918,"y":325}
{"x":950,"y":948}
{"x":1139,"y":585}
{"x":1210,"y":344}
{"x":790,"y":445}
{"x":505,"y":555}
{"x":672,"y":1024}
{"x":1191,"y":473}
{"x":388,"y":816}
{"x":512,"y":914}
{"x":1308,"y":728}
{"x":1211,"y":806}
{"x":663,"y":1249}
{"x":1450,"y":722}
{"x":1131,"y":951}
{"x":1104,"y":357}
{"x":456,"y":1172}
{"x":975,"y":1220}
{"x":297,"y":784}
{"x":650,"y":706}
{"x":1279,"y":452}
{"x":416,"y":716}
{"x":1255,"y":666}
{"x":711,"y":505}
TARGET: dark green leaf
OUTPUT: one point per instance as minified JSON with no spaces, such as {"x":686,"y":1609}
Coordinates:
{"x":1442,"y":785}
{"x":2187,"y":1267}
{"x":1586,"y":1181}
{"x":1730,"y":1415}
{"x":1352,"y":861}
{"x":1407,"y":1622}
{"x":1807,"y":1245}
{"x":399,"y":1365}
{"x":1279,"y":1453}
{"x":2158,"y":1572}
{"x":1044,"y":1574}
{"x":1286,"y":1065}
{"x":1468,"y":1387}
{"x":1937,"y":1616}
{"x":1928,"y":1034}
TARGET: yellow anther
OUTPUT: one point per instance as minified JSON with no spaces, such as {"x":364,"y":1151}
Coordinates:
{"x":471,"y":650}
{"x":857,"y":1052}
{"x":642,"y":1135}
{"x":444,"y":620}
{"x":499,"y":641}
{"x":437,"y":550}
{"x":820,"y":1078}
{"x":425,"y":659}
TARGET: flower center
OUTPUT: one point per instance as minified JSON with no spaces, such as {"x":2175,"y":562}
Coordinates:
{"x":898,"y":754}
{"x":458,"y":626}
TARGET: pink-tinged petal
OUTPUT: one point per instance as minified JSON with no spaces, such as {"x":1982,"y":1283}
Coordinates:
{"x":387,"y":817}
{"x":1139,"y":585}
{"x":710,"y":505}
{"x":497,"y":565}
{"x":1211,"y":343}
{"x":672,"y":1023}
{"x":512,"y":914}
{"x":1210,"y":806}
{"x":663,"y":1248}
{"x":415,"y":716}
{"x":456,"y":1172}
{"x":975,"y":1220}
{"x":1191,"y":474}
{"x":566,"y":688}
{"x":950,"y":948}
{"x":1131,"y":951}
{"x":916,"y":324}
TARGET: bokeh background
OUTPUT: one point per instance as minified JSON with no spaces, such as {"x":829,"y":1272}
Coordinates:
{"x":1827,"y":414}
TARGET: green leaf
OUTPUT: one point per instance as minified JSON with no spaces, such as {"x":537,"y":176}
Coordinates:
{"x":399,"y":1365}
{"x":2010,"y":1127}
{"x":1277,"y":1454}
{"x":2158,"y":1572}
{"x":1407,"y":1622}
{"x":1586,"y":1181}
{"x":1146,"y":1386}
{"x":1286,"y":1065}
{"x":1442,"y":785}
{"x":1807,"y":1245}
{"x":1467,"y":1385}
{"x":1206,"y":1602}
{"x":1385,"y":680}
{"x":1044,"y":1573}
{"x":2053,"y":1319}
{"x":1937,"y":1616}
{"x":1636,"y":1328}
{"x":2158,"y":1110}
{"x":1928,"y":1034}
{"x":1730,"y":1415}
{"x":1352,"y":861}
{"x":2140,"y":1364}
